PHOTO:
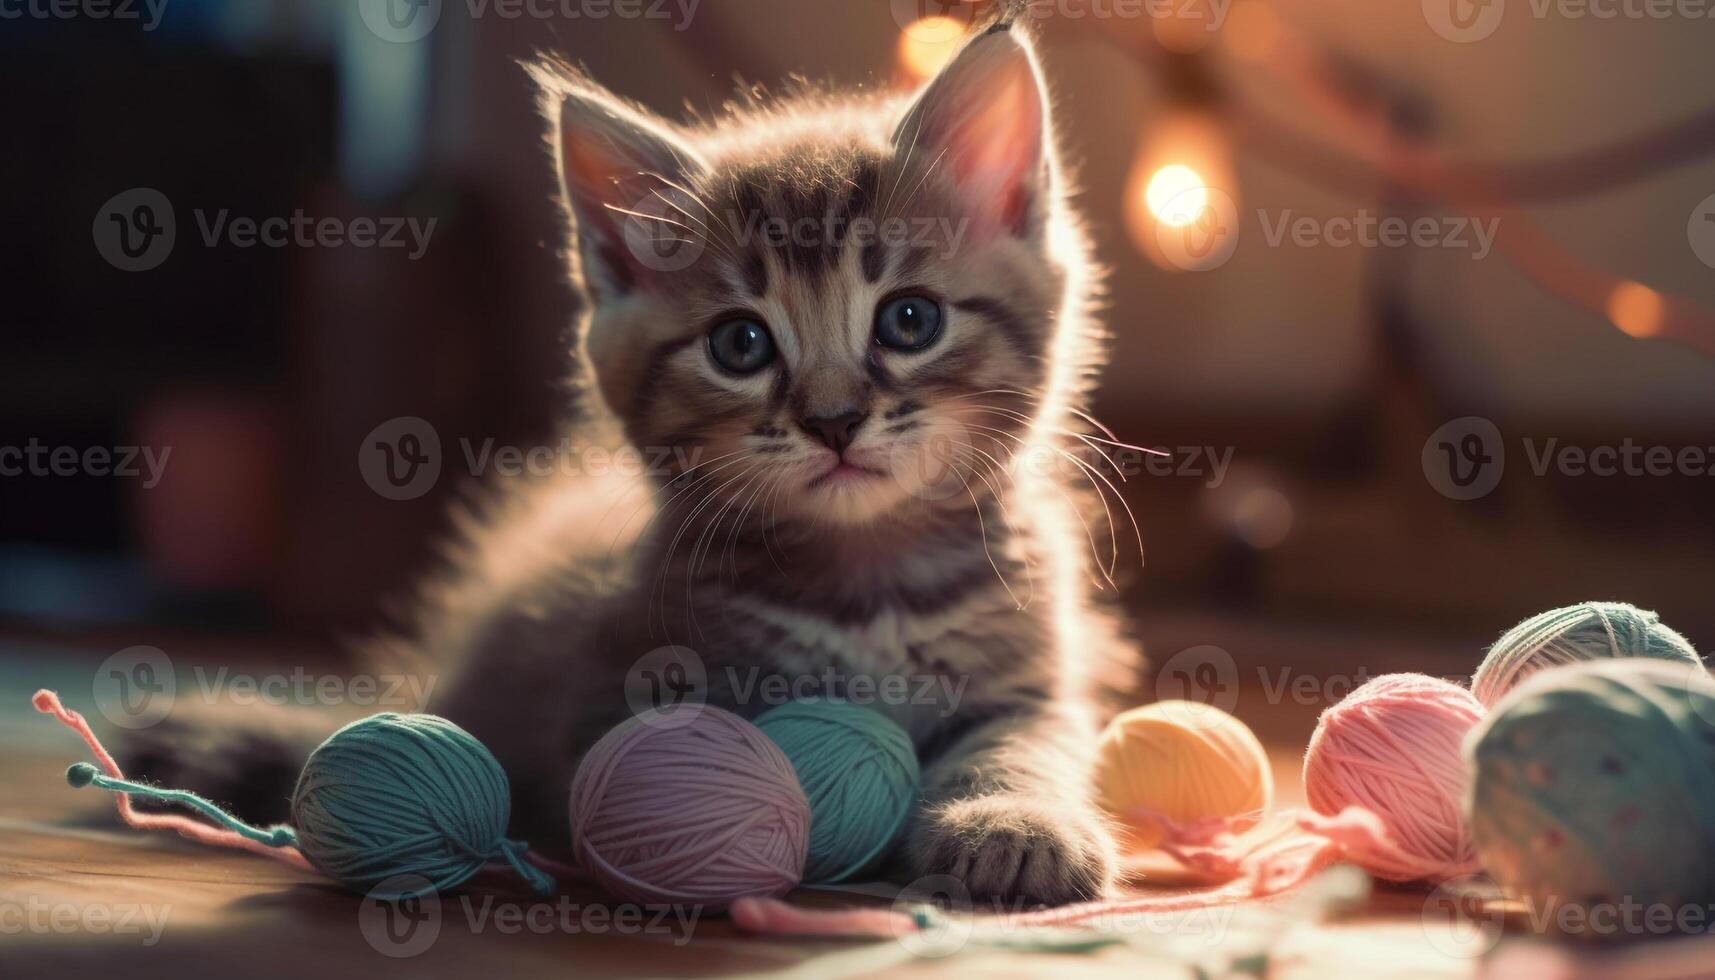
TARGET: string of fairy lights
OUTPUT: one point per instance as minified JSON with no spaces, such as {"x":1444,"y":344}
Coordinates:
{"x":1184,"y":169}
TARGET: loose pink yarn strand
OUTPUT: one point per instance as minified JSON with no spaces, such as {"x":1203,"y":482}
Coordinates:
{"x":48,"y":703}
{"x":1291,"y":850}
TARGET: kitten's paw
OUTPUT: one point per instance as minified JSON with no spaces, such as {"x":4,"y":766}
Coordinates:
{"x":1016,"y":847}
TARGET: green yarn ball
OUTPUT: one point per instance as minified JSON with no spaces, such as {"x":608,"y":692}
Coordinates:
{"x":1593,"y":787}
{"x":1586,"y":631}
{"x":859,"y":770}
{"x":412,"y":802}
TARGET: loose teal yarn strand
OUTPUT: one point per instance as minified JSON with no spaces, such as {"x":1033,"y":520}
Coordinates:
{"x":83,"y":774}
{"x":859,"y":770}
{"x":399,"y":795}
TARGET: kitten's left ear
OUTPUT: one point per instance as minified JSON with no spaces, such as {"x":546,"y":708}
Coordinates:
{"x":622,"y":170}
{"x":985,"y":118}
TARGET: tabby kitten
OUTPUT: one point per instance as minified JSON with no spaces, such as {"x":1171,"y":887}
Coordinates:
{"x":856,"y":323}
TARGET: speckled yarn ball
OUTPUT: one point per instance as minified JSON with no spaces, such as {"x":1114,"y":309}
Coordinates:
{"x":690,"y":805}
{"x":1180,"y":763}
{"x":1594,"y":785}
{"x":1395,"y":746}
{"x":1587,"y":631}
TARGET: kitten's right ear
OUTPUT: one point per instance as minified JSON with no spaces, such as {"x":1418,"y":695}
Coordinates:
{"x":620,"y":173}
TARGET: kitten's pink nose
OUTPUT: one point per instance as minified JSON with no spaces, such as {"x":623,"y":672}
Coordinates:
{"x":835,"y":431}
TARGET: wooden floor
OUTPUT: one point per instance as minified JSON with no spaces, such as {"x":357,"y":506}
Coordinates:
{"x":80,"y":894}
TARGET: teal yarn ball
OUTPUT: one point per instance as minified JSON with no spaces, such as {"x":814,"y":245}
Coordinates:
{"x":859,"y":770}
{"x":412,"y":802}
{"x":1593,"y":787}
{"x":1586,"y":631}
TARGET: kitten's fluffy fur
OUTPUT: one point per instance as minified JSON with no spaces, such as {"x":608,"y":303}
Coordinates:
{"x":752,"y":556}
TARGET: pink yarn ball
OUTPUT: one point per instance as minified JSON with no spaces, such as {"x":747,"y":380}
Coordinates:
{"x":1395,"y":747}
{"x":690,"y":805}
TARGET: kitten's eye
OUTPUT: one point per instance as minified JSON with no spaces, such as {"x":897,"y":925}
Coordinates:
{"x":908,"y":323}
{"x":741,"y":346}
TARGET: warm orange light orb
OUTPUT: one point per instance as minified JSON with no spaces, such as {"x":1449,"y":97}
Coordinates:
{"x":1176,"y":195}
{"x":928,"y":44}
{"x":1636,"y":309}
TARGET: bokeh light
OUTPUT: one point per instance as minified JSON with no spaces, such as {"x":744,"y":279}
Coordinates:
{"x":1636,"y":309}
{"x":1176,"y":195}
{"x":928,"y":44}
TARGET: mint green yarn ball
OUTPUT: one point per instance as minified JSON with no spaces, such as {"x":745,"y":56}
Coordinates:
{"x":859,"y":770}
{"x":1593,"y":790}
{"x":1572,"y":634}
{"x":401,"y":805}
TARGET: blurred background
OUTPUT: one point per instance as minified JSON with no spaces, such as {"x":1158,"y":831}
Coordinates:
{"x":1303,"y":382}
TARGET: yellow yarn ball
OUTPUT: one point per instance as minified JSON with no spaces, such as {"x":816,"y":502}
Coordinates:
{"x":1184,"y":761}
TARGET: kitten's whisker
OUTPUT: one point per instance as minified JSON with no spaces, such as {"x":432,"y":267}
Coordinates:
{"x":707,"y":232}
{"x":765,"y":483}
{"x":673,"y":547}
{"x":982,"y":530}
{"x":712,"y":531}
{"x":909,"y":198}
{"x":1088,"y":440}
{"x":666,"y":560}
{"x":663,"y":488}
{"x":904,"y":164}
{"x":1112,"y":438}
{"x":1091,"y":471}
{"x":1071,"y":505}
